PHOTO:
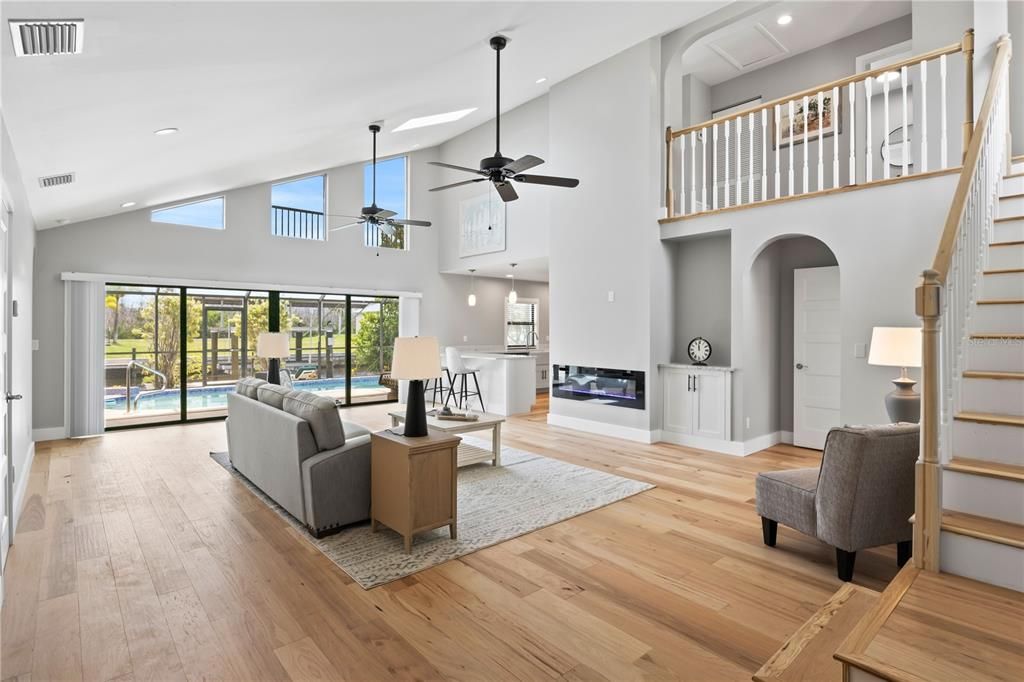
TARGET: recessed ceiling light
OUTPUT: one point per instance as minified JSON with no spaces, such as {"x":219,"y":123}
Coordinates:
{"x":434,"y":119}
{"x":165,"y":131}
{"x":128,"y":204}
{"x":784,"y":20}
{"x":540,"y":80}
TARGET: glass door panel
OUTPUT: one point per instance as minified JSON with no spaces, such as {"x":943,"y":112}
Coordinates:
{"x":374,"y":325}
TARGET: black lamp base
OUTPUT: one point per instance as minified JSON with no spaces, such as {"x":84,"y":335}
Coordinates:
{"x":274,"y":371}
{"x":415,"y":411}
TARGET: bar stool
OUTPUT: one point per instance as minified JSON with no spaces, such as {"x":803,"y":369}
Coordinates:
{"x":455,"y":368}
{"x":438,"y":388}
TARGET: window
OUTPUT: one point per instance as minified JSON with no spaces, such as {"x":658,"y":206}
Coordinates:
{"x":391,"y":195}
{"x":297,"y":208}
{"x":521,"y":324}
{"x":208,"y":213}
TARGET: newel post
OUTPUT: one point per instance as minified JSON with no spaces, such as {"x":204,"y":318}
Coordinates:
{"x":928,"y":478}
{"x":968,"y":50}
{"x":669,"y":202}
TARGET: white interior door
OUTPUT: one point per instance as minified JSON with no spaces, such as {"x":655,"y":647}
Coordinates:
{"x":6,"y":525}
{"x":816,"y":354}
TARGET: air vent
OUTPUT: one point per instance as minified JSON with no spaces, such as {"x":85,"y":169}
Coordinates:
{"x":35,"y":37}
{"x":54,"y":180}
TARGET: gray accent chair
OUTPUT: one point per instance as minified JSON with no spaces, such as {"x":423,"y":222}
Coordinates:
{"x":861,"y":496}
{"x":294,"y":447}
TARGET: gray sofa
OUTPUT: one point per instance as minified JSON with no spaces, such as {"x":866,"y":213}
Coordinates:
{"x":861,"y":496}
{"x":295,"y":448}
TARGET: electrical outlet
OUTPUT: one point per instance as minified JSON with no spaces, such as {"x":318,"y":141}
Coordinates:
{"x":859,"y":350}
{"x":611,"y":296}
{"x":35,"y":344}
{"x":465,"y":339}
{"x":748,"y":422}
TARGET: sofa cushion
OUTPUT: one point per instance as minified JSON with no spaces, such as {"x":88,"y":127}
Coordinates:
{"x":353,"y":430}
{"x":248,"y":386}
{"x":788,"y":497}
{"x":322,"y":416}
{"x":272,"y":394}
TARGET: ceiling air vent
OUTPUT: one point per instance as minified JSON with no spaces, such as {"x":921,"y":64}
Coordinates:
{"x":33,"y":37}
{"x":54,"y":180}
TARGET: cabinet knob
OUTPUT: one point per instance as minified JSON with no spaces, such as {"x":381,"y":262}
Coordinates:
{"x":800,"y":365}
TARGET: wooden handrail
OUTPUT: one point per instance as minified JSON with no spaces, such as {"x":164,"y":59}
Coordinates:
{"x":825,"y":87}
{"x":970,"y":166}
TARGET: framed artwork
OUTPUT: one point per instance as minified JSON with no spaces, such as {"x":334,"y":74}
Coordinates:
{"x":482,"y":223}
{"x":830,"y":120}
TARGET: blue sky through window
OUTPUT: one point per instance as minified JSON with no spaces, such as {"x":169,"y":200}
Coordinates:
{"x":307,"y":194}
{"x":208,"y":213}
{"x":390,"y":185}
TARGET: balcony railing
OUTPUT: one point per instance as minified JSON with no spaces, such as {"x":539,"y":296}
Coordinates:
{"x":766,"y":153}
{"x":296,"y":222}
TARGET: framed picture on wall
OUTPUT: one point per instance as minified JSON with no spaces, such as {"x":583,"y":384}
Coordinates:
{"x":482,"y":222}
{"x":829,"y":120}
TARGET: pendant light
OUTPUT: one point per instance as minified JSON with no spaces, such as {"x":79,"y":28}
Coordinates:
{"x":512,"y":295}
{"x":471,"y":300}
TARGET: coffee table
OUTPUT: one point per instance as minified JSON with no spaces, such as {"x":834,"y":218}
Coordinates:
{"x":468,"y":454}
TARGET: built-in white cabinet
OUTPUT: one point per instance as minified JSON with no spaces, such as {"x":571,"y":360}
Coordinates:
{"x":696,"y":402}
{"x":543,"y":371}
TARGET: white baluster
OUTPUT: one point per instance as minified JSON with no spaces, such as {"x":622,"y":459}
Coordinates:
{"x":885,"y":131}
{"x":943,"y":161}
{"x":704,"y":170}
{"x":835,"y":137}
{"x":778,"y":147}
{"x":852,"y":91}
{"x":821,"y":142}
{"x":924,"y":116}
{"x":725,"y":185}
{"x":868,"y":160}
{"x":682,"y":176}
{"x":739,"y":160}
{"x":714,"y":167}
{"x":791,"y":141}
{"x":906,"y":141}
{"x":764,"y":156}
{"x":750,"y":158}
{"x":693,"y":170}
{"x":807,"y":112}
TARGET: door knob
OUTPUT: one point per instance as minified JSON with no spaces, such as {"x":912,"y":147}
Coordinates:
{"x":800,"y":365}
{"x":13,"y":396}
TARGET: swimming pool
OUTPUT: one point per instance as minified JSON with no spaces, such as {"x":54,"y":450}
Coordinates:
{"x":206,"y":397}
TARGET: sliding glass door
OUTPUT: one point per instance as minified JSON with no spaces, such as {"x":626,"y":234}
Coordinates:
{"x":174,"y":353}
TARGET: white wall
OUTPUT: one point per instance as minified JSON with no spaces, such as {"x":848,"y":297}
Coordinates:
{"x":702,"y":289}
{"x":1016,"y":29}
{"x":22,"y":238}
{"x":604,"y":128}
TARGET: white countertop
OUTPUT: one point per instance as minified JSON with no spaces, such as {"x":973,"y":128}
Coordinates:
{"x":687,"y":365}
{"x":497,"y":356}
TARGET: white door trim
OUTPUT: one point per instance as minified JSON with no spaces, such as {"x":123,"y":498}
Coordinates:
{"x":822,"y":369}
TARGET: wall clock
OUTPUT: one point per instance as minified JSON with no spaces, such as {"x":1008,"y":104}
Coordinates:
{"x":699,"y":350}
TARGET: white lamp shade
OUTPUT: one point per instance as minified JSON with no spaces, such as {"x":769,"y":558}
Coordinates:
{"x":513,"y":296}
{"x":416,"y":357}
{"x":272,"y":345}
{"x":895,"y":347}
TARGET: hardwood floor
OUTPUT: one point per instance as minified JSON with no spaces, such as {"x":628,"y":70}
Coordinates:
{"x":139,"y":558}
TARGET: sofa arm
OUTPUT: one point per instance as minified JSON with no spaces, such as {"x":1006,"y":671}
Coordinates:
{"x":336,"y":485}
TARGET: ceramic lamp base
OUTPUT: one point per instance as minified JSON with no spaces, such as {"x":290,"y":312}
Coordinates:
{"x":903,"y":404}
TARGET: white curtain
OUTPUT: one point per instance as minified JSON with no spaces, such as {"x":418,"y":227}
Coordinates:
{"x":84,"y":323}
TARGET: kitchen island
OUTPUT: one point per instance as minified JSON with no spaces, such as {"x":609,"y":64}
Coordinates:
{"x":508,"y":381}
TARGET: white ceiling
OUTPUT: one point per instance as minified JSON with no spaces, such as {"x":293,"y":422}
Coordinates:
{"x":264,"y":90}
{"x":758,"y":40}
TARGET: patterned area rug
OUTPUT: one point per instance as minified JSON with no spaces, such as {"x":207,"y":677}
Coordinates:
{"x":527,"y":492}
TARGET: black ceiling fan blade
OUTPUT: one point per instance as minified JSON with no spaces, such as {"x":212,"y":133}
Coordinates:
{"x":384,"y":214}
{"x":351,"y":217}
{"x":342,"y":227}
{"x":458,"y":168}
{"x":546,"y":180}
{"x":456,"y":184}
{"x":523,"y":163}
{"x":407,"y":221}
{"x":506,"y":191}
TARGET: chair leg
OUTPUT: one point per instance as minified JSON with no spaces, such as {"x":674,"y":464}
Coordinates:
{"x":451,"y":389}
{"x":844,"y":564}
{"x":479,"y":395}
{"x":903,"y":551}
{"x":770,"y":531}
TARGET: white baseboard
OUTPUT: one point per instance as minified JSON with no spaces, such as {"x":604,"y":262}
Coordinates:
{"x":603,"y":429}
{"x":726,"y":447}
{"x":22,"y":484}
{"x":786,"y":437}
{"x":53,"y":433}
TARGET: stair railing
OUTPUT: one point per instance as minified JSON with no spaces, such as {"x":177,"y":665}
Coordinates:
{"x":944,"y":298}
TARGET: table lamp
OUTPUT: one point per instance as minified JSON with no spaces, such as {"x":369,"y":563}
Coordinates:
{"x":899,"y":347}
{"x":273,"y":346}
{"x":416,"y":358}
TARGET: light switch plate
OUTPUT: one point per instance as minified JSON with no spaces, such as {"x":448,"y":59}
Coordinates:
{"x":35,"y":344}
{"x":465,"y":339}
{"x":611,"y":296}
{"x":860,"y":350}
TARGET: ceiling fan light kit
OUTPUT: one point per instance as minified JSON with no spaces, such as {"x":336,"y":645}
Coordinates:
{"x":500,"y":170}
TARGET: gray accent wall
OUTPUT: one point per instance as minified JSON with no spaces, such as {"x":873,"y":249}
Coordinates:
{"x":702,"y":289}
{"x":1016,"y":27}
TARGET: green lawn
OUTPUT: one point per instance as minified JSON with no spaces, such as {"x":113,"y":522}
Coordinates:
{"x":124,"y":346}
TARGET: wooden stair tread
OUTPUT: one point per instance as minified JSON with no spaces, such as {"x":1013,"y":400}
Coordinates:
{"x":987,"y":374}
{"x":1013,"y":243}
{"x":937,"y":626}
{"x":1009,"y":218}
{"x":989,"y":418}
{"x":807,"y":654}
{"x":1017,"y":195}
{"x":984,"y":467}
{"x":1014,"y":175}
{"x":998,"y":336}
{"x":1007,"y":271}
{"x":1002,"y":301}
{"x":983,"y":528}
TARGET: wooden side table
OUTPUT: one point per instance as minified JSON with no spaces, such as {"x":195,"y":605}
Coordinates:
{"x":413,"y":485}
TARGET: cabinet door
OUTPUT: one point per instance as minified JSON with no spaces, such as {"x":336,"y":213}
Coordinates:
{"x":677,"y":407}
{"x":709,"y":407}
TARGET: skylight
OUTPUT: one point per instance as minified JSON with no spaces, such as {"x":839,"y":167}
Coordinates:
{"x":434,"y":119}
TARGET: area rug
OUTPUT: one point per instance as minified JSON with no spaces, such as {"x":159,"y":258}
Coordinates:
{"x":527,"y":492}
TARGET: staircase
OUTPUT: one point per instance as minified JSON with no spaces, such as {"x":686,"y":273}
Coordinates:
{"x":982,"y":522}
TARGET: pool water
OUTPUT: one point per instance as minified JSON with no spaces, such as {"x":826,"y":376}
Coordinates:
{"x":205,"y":397}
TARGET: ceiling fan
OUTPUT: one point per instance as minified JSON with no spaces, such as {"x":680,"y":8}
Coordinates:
{"x":499,"y":169}
{"x":374,"y":215}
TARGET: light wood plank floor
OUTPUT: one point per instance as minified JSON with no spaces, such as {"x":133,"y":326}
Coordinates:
{"x":138,"y":557}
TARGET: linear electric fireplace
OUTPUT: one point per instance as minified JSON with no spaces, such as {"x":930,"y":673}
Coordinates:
{"x":619,"y":387}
